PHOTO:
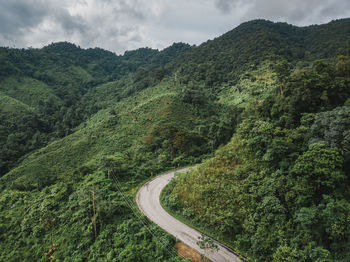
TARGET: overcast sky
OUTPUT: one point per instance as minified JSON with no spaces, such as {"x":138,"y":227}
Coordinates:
{"x":119,"y":25}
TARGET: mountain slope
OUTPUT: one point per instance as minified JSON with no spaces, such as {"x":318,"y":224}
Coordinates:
{"x":141,"y":134}
{"x":280,"y":189}
{"x":223,"y":59}
{"x":54,"y":81}
{"x":125,"y":117}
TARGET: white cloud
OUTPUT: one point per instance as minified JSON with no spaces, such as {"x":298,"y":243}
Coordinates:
{"x":118,"y":25}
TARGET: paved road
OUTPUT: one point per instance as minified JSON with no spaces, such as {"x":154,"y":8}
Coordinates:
{"x":147,"y":199}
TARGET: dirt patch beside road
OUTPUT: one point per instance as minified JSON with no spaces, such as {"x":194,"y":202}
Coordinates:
{"x":186,"y":252}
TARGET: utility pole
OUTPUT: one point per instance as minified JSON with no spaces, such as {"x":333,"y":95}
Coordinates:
{"x":93,"y":211}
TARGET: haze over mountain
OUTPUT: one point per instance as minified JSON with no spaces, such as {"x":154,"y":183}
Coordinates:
{"x":273,"y":97}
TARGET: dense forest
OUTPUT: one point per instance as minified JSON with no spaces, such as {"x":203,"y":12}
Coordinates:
{"x":265,"y":109}
{"x":279,"y":190}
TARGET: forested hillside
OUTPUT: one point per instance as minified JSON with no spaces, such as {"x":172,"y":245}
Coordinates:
{"x":274,"y":96}
{"x":56,"y":83}
{"x":279,"y":190}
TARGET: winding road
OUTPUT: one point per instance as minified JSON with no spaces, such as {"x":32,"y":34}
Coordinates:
{"x":147,"y":200}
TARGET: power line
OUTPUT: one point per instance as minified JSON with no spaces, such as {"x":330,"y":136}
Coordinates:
{"x":141,"y":218}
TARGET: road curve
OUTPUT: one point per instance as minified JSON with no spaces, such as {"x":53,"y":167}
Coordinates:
{"x":147,"y":199}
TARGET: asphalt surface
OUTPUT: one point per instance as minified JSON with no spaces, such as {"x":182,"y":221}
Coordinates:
{"x":147,"y":199}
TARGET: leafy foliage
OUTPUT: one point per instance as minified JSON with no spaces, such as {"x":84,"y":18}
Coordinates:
{"x":280,"y":189}
{"x":75,"y":120}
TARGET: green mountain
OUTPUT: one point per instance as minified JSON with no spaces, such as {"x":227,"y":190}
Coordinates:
{"x":279,"y":190}
{"x":74,"y":119}
{"x":59,"y":81}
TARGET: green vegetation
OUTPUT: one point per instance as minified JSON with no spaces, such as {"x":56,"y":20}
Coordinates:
{"x":280,"y":189}
{"x":81,"y":129}
{"x":63,"y":85}
{"x":226,"y":58}
{"x":253,"y":84}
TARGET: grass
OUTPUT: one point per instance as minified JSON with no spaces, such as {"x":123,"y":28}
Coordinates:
{"x":9,"y":105}
{"x":27,"y":90}
{"x":106,"y":134}
{"x":187,"y":252}
{"x":198,"y":227}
